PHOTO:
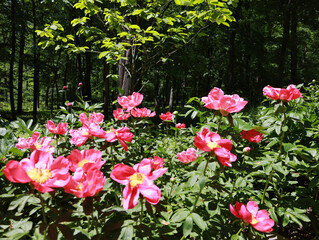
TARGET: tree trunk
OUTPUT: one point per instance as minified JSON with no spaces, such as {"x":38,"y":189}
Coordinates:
{"x":21,"y":59}
{"x":87,"y":82}
{"x":36,"y":58}
{"x":12,"y":58}
{"x":293,"y":50}
{"x":124,"y":74}
{"x":284,"y":44}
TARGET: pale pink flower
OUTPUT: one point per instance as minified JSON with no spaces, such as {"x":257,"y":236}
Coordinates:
{"x":142,"y":113}
{"x":34,"y":144}
{"x":224,"y":103}
{"x":131,"y":101}
{"x":60,"y":129}
{"x":286,"y":95}
{"x":187,"y":156}
{"x":247,"y":149}
{"x":119,"y":114}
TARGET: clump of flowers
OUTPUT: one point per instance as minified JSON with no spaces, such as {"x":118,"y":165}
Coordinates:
{"x":138,"y":180}
{"x":224,"y":103}
{"x":252,"y":135}
{"x":34,"y":144}
{"x":258,"y":219}
{"x":211,"y":142}
{"x":286,"y":95}
{"x":187,"y":156}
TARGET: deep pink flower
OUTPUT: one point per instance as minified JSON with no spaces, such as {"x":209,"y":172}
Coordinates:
{"x":65,"y":87}
{"x":61,"y":128}
{"x":142,"y":113}
{"x":247,"y":149}
{"x":180,"y":125}
{"x":69,"y":104}
{"x":187,"y":156}
{"x":166,"y":116}
{"x":85,"y":184}
{"x":86,"y":159}
{"x":208,"y":141}
{"x":123,"y":135}
{"x":224,"y":103}
{"x":252,"y":135}
{"x":286,"y":95}
{"x":258,"y":219}
{"x":34,"y":144}
{"x":80,"y":84}
{"x":41,"y":170}
{"x":138,"y":179}
{"x":131,"y":101}
{"x":119,"y":114}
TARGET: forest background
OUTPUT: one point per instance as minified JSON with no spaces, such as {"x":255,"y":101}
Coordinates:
{"x":168,"y":50}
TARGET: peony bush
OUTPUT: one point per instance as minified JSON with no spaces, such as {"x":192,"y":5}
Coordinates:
{"x":81,"y":177}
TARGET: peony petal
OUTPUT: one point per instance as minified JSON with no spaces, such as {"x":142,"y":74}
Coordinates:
{"x":121,"y":173}
{"x":151,"y":193}
{"x":14,"y":172}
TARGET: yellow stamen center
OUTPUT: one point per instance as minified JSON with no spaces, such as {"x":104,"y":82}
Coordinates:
{"x":85,"y":132}
{"x":84,"y":161}
{"x":136,"y":178}
{"x":38,"y":146}
{"x":39,"y":175}
{"x":212,"y":145}
{"x":253,"y":220}
{"x":79,"y":187}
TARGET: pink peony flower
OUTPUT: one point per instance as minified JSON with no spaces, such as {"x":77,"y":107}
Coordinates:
{"x":123,"y":135}
{"x":85,"y":159}
{"x":91,"y":128}
{"x":187,"y":156}
{"x":85,"y":184}
{"x":69,"y":104}
{"x":246,"y":149}
{"x":224,"y":103}
{"x":80,"y":84}
{"x":166,"y":116}
{"x":61,"y":128}
{"x":258,"y":219}
{"x":208,"y":141}
{"x":285,"y":95}
{"x":180,"y":125}
{"x":41,"y":170}
{"x":252,"y":135}
{"x":65,"y":87}
{"x":119,"y":114}
{"x":142,"y":113}
{"x":138,"y":179}
{"x":34,"y":144}
{"x":131,"y":101}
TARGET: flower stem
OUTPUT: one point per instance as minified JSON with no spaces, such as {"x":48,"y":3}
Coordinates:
{"x":220,"y":121}
{"x":200,"y":190}
{"x":237,"y":234}
{"x":43,"y":215}
{"x":141,"y":214}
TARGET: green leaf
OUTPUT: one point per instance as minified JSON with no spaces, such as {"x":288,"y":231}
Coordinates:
{"x":202,"y":181}
{"x":127,"y":233}
{"x":180,"y":215}
{"x":286,"y":220}
{"x":234,"y":237}
{"x":3,"y":131}
{"x":188,"y":226}
{"x":199,"y":221}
